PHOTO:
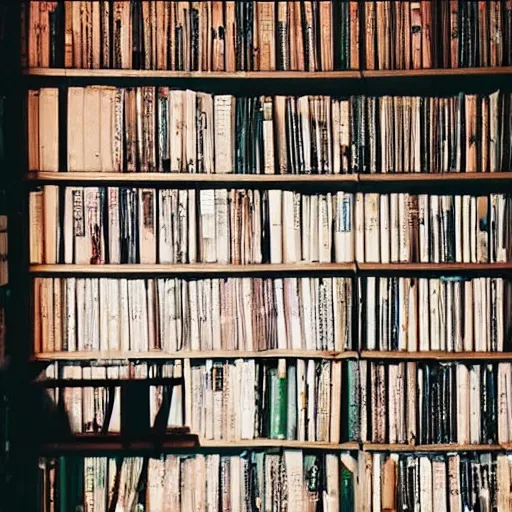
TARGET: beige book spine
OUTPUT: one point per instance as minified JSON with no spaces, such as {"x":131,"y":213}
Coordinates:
{"x":33,"y":130}
{"x":49,"y":129}
{"x":326,"y":47}
{"x":370,"y":16}
{"x":471,"y":132}
{"x":230,"y":35}
{"x":417,"y":35}
{"x":354,"y":35}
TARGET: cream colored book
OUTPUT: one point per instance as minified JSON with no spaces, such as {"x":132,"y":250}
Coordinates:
{"x":474,"y":404}
{"x":439,"y":485}
{"x":37,"y":226}
{"x":455,"y":498}
{"x":76,"y":136}
{"x":207,"y":226}
{"x":331,"y":495}
{"x":147,"y":227}
{"x":371,"y":228}
{"x":275,"y":203}
{"x":33,"y":130}
{"x":222,"y":227}
{"x":503,"y":479}
{"x":92,"y":129}
{"x":224,"y":113}
{"x":70,"y":326}
{"x":463,"y":404}
{"x":51,"y":223}
{"x":385,"y":231}
{"x":360,"y":228}
{"x":425,"y":470}
{"x":49,"y":129}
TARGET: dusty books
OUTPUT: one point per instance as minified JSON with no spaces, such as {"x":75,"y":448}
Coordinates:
{"x":431,"y":403}
{"x":452,"y":482}
{"x":403,"y":227}
{"x":451,"y":314}
{"x":204,"y":35}
{"x":172,"y":315}
{"x":414,"y":34}
{"x":148,"y":129}
{"x":129,"y":225}
{"x":275,"y":480}
{"x":104,"y":408}
{"x":231,"y":400}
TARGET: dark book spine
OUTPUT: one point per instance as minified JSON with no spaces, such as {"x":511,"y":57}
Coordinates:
{"x":354,"y":143}
{"x":194,"y":29}
{"x":427,"y":406}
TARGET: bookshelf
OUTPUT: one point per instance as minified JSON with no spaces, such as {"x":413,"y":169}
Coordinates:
{"x":269,"y":75}
{"x":351,"y":82}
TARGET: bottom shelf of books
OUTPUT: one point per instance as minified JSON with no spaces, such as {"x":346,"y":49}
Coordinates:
{"x":278,"y":480}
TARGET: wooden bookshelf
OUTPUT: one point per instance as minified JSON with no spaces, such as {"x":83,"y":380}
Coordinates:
{"x":270,"y":268}
{"x":91,"y":444}
{"x":502,"y":178}
{"x":160,"y":177}
{"x":94,"y":443}
{"x":277,"y":443}
{"x":192,"y":268}
{"x":266,"y":75}
{"x":214,"y":354}
{"x":199,"y":75}
{"x":437,"y":355}
{"x":433,"y":448}
{"x":438,"y":268}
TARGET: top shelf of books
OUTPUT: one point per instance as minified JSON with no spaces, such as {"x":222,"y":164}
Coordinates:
{"x":265,"y":36}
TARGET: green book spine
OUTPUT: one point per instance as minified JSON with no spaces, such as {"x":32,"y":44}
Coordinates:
{"x":347,"y":490}
{"x":291,"y":426}
{"x":278,"y":402}
{"x":354,"y":431}
{"x":63,"y":485}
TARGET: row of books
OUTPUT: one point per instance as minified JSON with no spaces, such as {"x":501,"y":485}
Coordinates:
{"x":254,"y":314}
{"x":199,"y":35}
{"x":449,"y":314}
{"x":219,"y":400}
{"x":170,"y":315}
{"x":104,"y":409}
{"x":301,"y":399}
{"x":97,"y":225}
{"x":148,"y":129}
{"x":254,"y":480}
{"x":432,"y":403}
{"x":215,"y":482}
{"x":459,"y":33}
{"x":452,"y":483}
{"x":308,"y":35}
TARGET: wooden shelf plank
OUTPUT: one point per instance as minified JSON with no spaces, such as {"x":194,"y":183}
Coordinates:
{"x":219,"y":75}
{"x":192,"y":268}
{"x":437,"y":72}
{"x":449,"y":268}
{"x":436,"y":355}
{"x":214,"y":354}
{"x":266,"y":75}
{"x":162,"y":177}
{"x":276,"y":268}
{"x":432,"y":448}
{"x":277,"y":443}
{"x":111,"y":443}
{"x":429,"y":177}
